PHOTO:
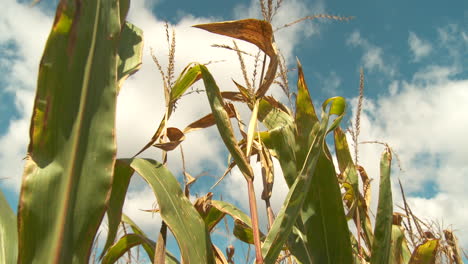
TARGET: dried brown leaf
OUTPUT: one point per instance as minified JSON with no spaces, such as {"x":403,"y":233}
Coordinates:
{"x":209,"y":119}
{"x":175,"y":137}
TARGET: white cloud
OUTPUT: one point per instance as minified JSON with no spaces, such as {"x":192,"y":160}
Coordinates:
{"x":22,"y":76}
{"x":140,"y":102}
{"x":331,"y":83}
{"x":419,"y":47}
{"x":373,"y":55}
{"x":425,"y":123}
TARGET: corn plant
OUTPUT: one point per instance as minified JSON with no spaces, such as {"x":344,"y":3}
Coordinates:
{"x":72,"y":178}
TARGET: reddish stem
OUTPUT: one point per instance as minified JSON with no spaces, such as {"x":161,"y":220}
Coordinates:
{"x":254,"y":216}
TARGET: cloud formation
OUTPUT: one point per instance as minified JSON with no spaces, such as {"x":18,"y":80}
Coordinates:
{"x":373,"y":57}
{"x":419,"y":47}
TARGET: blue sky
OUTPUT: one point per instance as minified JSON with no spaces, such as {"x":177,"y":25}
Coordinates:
{"x":413,"y":53}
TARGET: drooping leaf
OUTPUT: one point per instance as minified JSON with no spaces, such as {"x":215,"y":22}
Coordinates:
{"x":176,"y":211}
{"x":148,"y":247}
{"x":8,"y":233}
{"x":175,"y":137}
{"x":223,"y":123}
{"x":257,"y":32}
{"x":232,"y":211}
{"x":209,"y":120}
{"x":280,"y":136}
{"x":383,"y":223}
{"x":292,"y":206}
{"x":190,"y":75}
{"x":71,"y":153}
{"x":187,"y":78}
{"x":120,"y":182}
{"x":124,"y":244}
{"x":425,"y":253}
{"x":350,"y":177}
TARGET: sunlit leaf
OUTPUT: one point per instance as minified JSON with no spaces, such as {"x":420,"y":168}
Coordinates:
{"x":383,"y":223}
{"x":292,"y":206}
{"x":176,"y":211}
{"x":224,"y":124}
{"x":130,"y":51}
{"x":8,"y":233}
{"x":72,"y":149}
{"x":425,"y":253}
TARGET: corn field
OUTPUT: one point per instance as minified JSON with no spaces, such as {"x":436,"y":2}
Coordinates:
{"x":72,"y":178}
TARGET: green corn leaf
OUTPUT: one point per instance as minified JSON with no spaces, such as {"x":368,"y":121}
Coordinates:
{"x":397,"y":255}
{"x":71,"y":153}
{"x":383,"y":223}
{"x":279,"y":137}
{"x":294,"y":201}
{"x":190,"y":75}
{"x":129,"y":241}
{"x":125,"y":244}
{"x":231,"y":210}
{"x":176,"y":211}
{"x":130,"y":51}
{"x":348,"y":170}
{"x":425,"y":253}
{"x":305,"y":118}
{"x":120,"y":182}
{"x":8,"y":233}
{"x":224,"y":124}
{"x":323,"y":216}
{"x":148,"y":247}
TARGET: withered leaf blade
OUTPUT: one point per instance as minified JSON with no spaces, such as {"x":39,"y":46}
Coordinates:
{"x":209,"y":119}
{"x":233,"y":96}
{"x":175,"y":138}
{"x":257,"y":32}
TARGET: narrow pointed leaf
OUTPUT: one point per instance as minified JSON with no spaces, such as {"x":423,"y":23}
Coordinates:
{"x":71,"y":153}
{"x":8,"y":233}
{"x":223,"y":123}
{"x":209,"y":120}
{"x":292,"y":206}
{"x":350,"y":173}
{"x":125,"y":244}
{"x":120,"y":182}
{"x":187,"y":78}
{"x":305,"y":118}
{"x":383,"y":223}
{"x":252,"y":128}
{"x":148,"y":247}
{"x":176,"y":211}
{"x":190,"y":75}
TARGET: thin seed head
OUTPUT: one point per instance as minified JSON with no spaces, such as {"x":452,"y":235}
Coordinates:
{"x":264,"y":10}
{"x":357,"y":122}
{"x":339,"y":18}
{"x":243,"y":68}
{"x":171,"y":66}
